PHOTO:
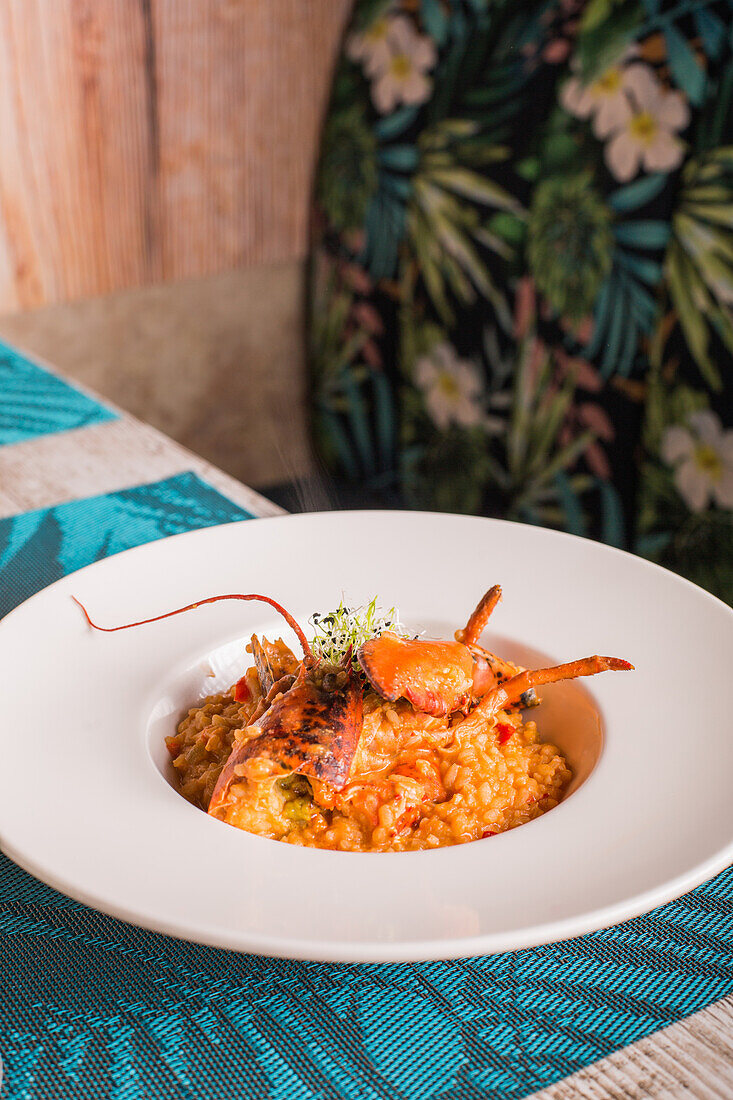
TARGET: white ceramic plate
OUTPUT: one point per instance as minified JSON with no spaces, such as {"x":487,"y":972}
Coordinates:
{"x":87,"y":806}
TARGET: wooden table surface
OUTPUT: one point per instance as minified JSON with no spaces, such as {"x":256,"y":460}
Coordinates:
{"x":693,"y":1058}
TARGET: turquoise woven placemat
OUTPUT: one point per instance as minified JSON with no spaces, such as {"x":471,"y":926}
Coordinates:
{"x":94,"y":1008}
{"x":34,"y":402}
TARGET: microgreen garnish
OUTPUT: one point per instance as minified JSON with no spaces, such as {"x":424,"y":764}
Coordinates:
{"x":346,"y":628}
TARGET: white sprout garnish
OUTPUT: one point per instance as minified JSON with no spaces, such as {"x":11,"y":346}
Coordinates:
{"x":346,"y":628}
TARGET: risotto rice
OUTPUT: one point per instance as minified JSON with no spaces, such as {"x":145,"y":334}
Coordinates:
{"x":416,"y":781}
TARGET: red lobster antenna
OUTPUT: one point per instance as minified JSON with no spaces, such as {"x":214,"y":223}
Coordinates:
{"x":308,"y":653}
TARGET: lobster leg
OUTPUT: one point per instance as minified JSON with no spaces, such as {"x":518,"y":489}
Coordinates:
{"x":511,"y":690}
{"x":491,"y":670}
{"x":479,"y":618}
{"x":273,"y":660}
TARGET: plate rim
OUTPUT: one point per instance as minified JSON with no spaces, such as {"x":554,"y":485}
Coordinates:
{"x":377,"y":951}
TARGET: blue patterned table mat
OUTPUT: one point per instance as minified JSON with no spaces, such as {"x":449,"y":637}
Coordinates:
{"x":34,"y":402}
{"x":94,"y":1008}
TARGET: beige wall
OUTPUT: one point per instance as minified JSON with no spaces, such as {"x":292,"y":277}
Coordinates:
{"x":169,"y":139}
{"x":217,"y":363}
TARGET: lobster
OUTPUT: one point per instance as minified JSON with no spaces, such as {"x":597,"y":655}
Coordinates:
{"x":309,"y":720}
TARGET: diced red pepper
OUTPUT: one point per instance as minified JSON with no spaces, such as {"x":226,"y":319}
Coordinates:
{"x":505,"y":731}
{"x":487,"y":832}
{"x":241,"y":692}
{"x":408,"y":819}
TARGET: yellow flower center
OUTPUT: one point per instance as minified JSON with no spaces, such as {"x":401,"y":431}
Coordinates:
{"x":708,"y":461}
{"x":609,"y":83}
{"x":644,"y":127}
{"x":377,"y":31}
{"x":400,"y":66}
{"x":448,"y":386}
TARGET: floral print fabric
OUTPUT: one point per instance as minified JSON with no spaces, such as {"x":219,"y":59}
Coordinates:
{"x":522,"y":289}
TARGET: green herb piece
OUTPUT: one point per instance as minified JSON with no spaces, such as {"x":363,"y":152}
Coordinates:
{"x":298,"y":804}
{"x":337,"y":632}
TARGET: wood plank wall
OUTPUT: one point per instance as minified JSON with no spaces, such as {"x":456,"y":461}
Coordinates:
{"x":149,"y":140}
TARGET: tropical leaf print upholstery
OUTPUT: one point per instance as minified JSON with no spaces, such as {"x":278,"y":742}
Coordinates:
{"x":521,"y":297}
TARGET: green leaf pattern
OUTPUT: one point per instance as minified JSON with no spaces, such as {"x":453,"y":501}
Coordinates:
{"x":521,"y":298}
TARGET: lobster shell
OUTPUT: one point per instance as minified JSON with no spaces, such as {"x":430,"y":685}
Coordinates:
{"x":306,"y":730}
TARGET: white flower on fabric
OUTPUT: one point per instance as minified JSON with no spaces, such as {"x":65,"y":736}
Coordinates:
{"x":647,"y":138}
{"x":702,"y":456}
{"x":400,"y":78}
{"x":603,"y":98}
{"x":371,"y":47}
{"x":452,"y":387}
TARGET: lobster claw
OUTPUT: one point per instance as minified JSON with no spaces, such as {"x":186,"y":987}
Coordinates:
{"x":436,"y":677}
